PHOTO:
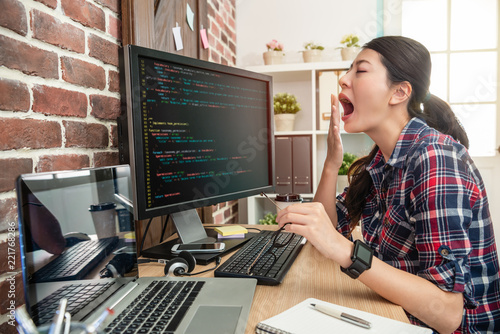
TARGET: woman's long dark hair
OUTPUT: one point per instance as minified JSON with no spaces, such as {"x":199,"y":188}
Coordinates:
{"x":405,"y":60}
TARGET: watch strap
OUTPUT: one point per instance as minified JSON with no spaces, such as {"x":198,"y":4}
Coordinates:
{"x":357,"y":267}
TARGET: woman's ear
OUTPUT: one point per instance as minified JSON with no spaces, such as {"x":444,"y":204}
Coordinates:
{"x":402,"y":93}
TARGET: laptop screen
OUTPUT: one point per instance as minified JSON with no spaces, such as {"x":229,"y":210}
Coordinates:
{"x":73,"y":225}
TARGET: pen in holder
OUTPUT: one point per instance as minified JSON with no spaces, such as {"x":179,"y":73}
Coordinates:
{"x":25,"y":324}
{"x":61,"y":323}
{"x":68,"y":328}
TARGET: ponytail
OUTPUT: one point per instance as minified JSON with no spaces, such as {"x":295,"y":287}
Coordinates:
{"x":438,"y":115}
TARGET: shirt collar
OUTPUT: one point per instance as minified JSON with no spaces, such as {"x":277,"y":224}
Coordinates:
{"x":411,"y":132}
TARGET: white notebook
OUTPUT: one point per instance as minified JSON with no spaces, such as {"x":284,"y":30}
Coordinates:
{"x":304,"y":319}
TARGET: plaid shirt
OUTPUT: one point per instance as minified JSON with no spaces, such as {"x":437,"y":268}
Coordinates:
{"x":428,"y":214}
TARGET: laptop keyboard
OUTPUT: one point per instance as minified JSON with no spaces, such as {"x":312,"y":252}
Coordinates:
{"x":78,"y":295}
{"x":76,"y":262}
{"x":158,"y":309}
{"x":271,"y":268}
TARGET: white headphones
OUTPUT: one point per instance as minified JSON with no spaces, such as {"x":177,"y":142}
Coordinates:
{"x":184,"y":264}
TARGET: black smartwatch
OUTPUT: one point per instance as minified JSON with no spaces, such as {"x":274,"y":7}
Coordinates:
{"x":361,"y":260}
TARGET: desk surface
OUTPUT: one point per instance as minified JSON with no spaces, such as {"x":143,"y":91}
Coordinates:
{"x":311,"y":276}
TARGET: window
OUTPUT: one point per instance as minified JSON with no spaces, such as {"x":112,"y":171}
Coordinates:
{"x":462,"y":36}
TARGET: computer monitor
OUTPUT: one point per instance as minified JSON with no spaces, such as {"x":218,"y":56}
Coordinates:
{"x":198,"y":134}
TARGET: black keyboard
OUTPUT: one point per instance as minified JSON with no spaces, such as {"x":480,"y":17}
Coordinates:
{"x":160,"y":308}
{"x":271,"y":268}
{"x":78,"y":296}
{"x":76,"y":262}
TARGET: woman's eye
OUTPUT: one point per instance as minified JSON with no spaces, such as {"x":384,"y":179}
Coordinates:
{"x":360,"y":71}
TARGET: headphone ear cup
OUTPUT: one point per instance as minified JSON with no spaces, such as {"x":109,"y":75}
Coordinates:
{"x":191,"y":261}
{"x":176,"y":266}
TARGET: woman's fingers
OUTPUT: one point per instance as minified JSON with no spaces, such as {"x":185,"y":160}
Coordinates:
{"x":334,"y":139}
{"x":335,"y":115}
{"x":303,"y":213}
{"x":311,"y":221}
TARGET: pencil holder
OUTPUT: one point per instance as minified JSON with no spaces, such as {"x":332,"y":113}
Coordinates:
{"x":74,"y":328}
{"x":284,"y":200}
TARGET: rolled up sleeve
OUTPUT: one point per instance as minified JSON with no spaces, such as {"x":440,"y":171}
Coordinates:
{"x":342,"y":216}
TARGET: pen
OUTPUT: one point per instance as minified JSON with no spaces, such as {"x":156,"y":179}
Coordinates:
{"x":57,"y":322}
{"x":67,"y":324}
{"x":99,"y":321}
{"x":24,"y":321}
{"x":342,"y":316}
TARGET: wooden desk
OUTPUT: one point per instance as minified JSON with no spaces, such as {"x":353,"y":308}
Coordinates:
{"x":311,"y":276}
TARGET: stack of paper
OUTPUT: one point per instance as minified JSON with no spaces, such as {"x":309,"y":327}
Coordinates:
{"x":233,"y":231}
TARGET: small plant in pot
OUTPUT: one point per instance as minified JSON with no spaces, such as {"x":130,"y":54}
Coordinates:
{"x":274,"y":54}
{"x":350,"y":48}
{"x":342,"y":180}
{"x":285,"y":108}
{"x":312,"y":52}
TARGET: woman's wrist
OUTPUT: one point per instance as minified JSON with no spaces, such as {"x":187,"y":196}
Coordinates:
{"x":346,"y":254}
{"x":342,"y":251}
{"x":330,"y":170}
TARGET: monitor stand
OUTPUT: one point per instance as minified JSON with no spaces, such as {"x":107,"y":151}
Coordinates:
{"x":190,"y":228}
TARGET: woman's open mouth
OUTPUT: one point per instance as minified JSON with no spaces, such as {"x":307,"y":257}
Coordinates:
{"x":347,"y":106}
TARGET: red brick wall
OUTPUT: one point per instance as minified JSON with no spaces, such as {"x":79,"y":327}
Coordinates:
{"x":222,"y":31}
{"x":59,"y":98}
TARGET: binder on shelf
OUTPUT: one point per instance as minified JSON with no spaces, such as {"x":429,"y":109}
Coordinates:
{"x":283,"y":157}
{"x":293,"y":164}
{"x":301,"y":164}
{"x":327,"y":82}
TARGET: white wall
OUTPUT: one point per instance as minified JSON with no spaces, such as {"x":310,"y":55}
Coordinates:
{"x":295,"y":22}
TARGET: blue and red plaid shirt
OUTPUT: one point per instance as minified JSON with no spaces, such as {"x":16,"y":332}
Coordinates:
{"x":428,"y":214}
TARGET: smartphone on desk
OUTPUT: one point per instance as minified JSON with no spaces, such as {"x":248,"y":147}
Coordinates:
{"x":216,"y":247}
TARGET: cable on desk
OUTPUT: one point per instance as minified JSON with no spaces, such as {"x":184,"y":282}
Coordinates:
{"x":164,"y":228}
{"x":146,"y":232}
{"x":144,"y":235}
{"x":144,"y":261}
{"x":254,"y":228}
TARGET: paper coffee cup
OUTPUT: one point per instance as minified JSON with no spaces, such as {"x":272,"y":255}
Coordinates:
{"x":284,"y":200}
{"x":103,"y":215}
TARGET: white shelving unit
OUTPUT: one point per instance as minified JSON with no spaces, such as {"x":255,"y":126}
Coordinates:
{"x":312,"y":84}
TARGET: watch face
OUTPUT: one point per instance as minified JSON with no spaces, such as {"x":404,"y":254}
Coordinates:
{"x":363,"y":253}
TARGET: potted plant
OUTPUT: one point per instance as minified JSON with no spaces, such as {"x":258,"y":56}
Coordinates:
{"x":274,"y":53}
{"x":285,"y":108}
{"x":342,"y":180}
{"x":351,"y":47}
{"x":269,"y":219}
{"x":312,"y":52}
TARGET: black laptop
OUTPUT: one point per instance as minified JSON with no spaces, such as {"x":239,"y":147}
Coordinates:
{"x":77,"y":242}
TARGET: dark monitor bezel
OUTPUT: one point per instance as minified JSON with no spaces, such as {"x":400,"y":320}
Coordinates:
{"x":135,"y":139}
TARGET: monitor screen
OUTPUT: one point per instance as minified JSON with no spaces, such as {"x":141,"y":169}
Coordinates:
{"x":198,"y":133}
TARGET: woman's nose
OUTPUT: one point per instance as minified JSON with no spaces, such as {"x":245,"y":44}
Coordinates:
{"x":343,"y":82}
